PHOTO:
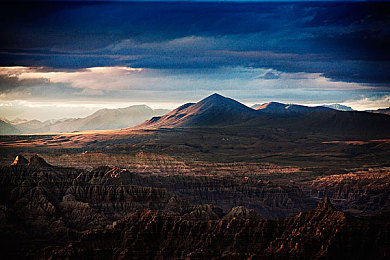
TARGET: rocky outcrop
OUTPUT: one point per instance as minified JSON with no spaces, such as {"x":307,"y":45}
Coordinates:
{"x":241,"y":212}
{"x":114,"y":212}
{"x":116,"y":201}
{"x":204,"y":212}
{"x":320,"y":233}
{"x":267,"y":198}
{"x":20,"y":160}
{"x":38,"y":162}
{"x":363,"y":192}
{"x":45,"y":204}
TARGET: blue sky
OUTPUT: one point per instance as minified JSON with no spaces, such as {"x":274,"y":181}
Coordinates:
{"x":165,"y":54}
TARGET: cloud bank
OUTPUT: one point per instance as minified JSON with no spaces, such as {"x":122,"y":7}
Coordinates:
{"x":182,"y":51}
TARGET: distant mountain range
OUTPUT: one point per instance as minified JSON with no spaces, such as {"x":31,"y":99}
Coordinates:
{"x":290,"y":109}
{"x":380,"y":111}
{"x":275,"y":104}
{"x":340,"y":107}
{"x":218,"y":111}
{"x":8,"y":129}
{"x":104,"y":119}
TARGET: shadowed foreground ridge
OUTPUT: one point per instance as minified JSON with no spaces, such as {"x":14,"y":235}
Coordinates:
{"x":320,"y":233}
{"x":112,"y":213}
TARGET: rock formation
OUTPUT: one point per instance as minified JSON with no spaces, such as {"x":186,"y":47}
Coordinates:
{"x":320,"y":233}
{"x":109,"y":212}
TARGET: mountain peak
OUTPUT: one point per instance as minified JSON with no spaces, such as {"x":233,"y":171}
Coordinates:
{"x":20,"y":160}
{"x":212,"y":110}
{"x":38,"y":162}
{"x":215,"y":95}
{"x":221,"y":102}
{"x":216,"y":99}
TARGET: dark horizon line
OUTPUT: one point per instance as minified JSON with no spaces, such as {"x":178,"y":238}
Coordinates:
{"x":180,"y":1}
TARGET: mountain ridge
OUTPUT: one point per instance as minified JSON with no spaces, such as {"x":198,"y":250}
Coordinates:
{"x":385,"y":111}
{"x":340,"y":107}
{"x":103,"y":119}
{"x":218,"y":111}
{"x":277,"y":108}
{"x":8,"y":129}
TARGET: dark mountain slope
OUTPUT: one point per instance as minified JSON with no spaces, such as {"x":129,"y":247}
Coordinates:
{"x":275,"y":108}
{"x":380,"y":111}
{"x":344,"y":125}
{"x":218,"y":111}
{"x":347,"y":124}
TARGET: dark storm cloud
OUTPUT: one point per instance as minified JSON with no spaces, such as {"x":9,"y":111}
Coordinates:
{"x":10,"y":83}
{"x":344,"y":41}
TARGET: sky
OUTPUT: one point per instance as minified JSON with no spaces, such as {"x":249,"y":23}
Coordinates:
{"x":69,"y":59}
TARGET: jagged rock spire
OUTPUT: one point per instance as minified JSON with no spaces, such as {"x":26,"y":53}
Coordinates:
{"x":20,"y":160}
{"x":326,"y":204}
{"x":38,"y":162}
{"x":241,"y":212}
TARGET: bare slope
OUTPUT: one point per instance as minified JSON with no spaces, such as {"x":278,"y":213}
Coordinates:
{"x":211,"y":111}
{"x":218,"y":111}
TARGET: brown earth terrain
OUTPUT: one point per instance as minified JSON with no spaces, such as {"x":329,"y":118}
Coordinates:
{"x":44,"y":207}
